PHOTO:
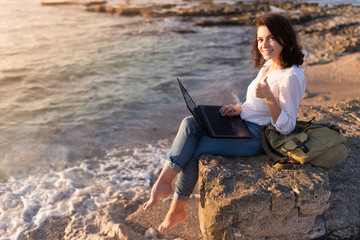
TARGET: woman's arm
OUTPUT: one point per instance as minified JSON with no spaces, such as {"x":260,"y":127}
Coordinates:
{"x":284,"y":107}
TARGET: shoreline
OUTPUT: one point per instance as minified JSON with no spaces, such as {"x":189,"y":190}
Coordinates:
{"x":125,"y":219}
{"x":326,"y":32}
{"x":333,"y":82}
{"x":325,"y":86}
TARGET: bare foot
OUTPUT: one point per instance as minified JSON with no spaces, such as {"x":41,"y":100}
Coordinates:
{"x":159,"y":190}
{"x":172,"y":218}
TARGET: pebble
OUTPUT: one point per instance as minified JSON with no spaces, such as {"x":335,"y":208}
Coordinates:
{"x":151,"y":233}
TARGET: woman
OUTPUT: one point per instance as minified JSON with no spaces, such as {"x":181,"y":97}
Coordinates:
{"x":273,"y":97}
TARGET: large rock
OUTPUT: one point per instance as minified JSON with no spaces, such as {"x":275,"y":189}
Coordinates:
{"x":246,"y":198}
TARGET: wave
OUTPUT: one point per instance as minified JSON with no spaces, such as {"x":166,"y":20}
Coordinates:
{"x":89,"y":185}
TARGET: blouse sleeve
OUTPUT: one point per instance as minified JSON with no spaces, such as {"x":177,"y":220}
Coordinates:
{"x":291,"y":91}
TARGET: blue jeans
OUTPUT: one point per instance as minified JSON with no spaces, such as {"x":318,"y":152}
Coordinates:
{"x":190,"y":142}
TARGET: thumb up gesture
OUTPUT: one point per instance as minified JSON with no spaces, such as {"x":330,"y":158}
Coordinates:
{"x":262,"y":89}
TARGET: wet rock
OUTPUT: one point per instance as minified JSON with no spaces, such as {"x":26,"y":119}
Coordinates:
{"x":51,"y":228}
{"x":146,"y":10}
{"x":71,"y":2}
{"x":239,"y":20}
{"x":222,"y":9}
{"x":326,"y":32}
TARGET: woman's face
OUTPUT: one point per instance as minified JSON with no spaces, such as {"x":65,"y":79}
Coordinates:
{"x":267,"y":45}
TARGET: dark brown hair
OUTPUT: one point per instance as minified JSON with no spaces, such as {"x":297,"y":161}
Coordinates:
{"x":284,"y":33}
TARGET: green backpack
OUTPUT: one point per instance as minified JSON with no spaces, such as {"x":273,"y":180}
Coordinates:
{"x":318,"y":143}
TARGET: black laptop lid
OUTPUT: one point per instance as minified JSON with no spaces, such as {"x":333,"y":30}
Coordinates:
{"x":193,"y":108}
{"x":188,"y":100}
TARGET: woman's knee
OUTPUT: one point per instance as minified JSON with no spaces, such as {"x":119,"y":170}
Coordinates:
{"x":189,"y":121}
{"x":190,"y":126}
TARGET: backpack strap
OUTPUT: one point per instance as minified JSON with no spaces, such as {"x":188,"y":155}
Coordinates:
{"x":284,"y":163}
{"x":300,"y":144}
{"x":278,"y":160}
{"x":272,"y":154}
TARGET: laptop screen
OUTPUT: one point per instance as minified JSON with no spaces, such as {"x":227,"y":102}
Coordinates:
{"x":189,"y":102}
{"x":192,"y":107}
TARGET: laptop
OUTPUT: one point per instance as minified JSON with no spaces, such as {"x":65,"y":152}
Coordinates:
{"x":210,"y":120}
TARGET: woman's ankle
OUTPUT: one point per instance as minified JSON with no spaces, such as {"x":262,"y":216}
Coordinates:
{"x":175,"y":215}
{"x":167,"y":175}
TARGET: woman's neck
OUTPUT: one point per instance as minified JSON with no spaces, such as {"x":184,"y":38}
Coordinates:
{"x":273,"y":66}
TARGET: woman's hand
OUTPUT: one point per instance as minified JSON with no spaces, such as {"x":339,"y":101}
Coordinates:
{"x":230,"y":110}
{"x":263,"y":90}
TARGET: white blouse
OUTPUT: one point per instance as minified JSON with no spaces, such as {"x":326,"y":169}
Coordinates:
{"x":288,"y":86}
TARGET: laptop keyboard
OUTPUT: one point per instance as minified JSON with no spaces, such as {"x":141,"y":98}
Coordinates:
{"x":221,"y":124}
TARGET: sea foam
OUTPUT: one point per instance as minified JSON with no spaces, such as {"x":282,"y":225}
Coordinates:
{"x":26,"y":203}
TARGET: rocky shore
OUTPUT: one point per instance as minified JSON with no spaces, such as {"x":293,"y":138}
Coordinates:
{"x":247,"y":198}
{"x":326,"y":32}
{"x":327,"y":206}
{"x":330,"y":37}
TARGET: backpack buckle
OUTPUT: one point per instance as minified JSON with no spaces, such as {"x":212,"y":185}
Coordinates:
{"x":300,"y":144}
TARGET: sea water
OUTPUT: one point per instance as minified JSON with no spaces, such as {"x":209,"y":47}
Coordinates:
{"x":90,"y":104}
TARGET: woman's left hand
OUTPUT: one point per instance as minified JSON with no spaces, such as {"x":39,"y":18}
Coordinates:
{"x":263,"y":90}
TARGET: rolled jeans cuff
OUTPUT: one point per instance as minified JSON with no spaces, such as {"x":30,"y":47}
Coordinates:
{"x":181,"y":197}
{"x":173,"y":166}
